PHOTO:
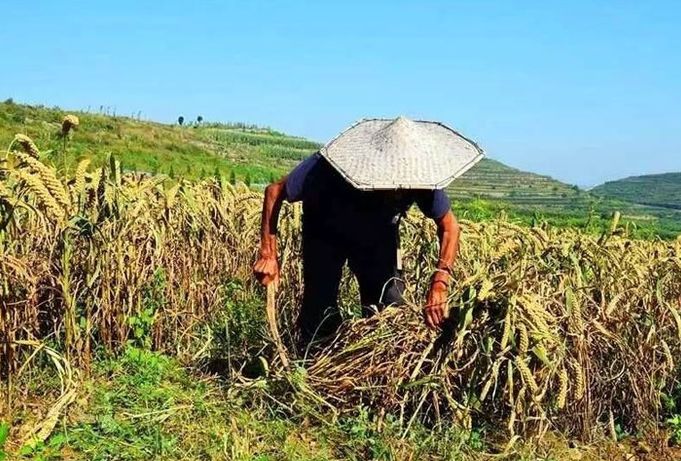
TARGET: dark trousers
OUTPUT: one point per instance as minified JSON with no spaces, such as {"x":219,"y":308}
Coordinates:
{"x":375,"y":267}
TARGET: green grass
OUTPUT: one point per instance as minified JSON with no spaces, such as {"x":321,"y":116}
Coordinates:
{"x":145,"y":405}
{"x":189,"y":151}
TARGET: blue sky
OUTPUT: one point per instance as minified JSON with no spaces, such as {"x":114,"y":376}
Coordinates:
{"x":584,"y":91}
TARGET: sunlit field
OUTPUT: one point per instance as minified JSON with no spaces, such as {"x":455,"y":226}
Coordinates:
{"x":131,"y":328}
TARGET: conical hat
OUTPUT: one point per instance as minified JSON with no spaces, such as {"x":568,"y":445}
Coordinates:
{"x":401,"y":154}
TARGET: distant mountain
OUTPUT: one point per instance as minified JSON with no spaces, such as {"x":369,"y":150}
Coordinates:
{"x":659,"y":190}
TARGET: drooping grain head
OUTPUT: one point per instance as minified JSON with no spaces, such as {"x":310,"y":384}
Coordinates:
{"x":28,"y":145}
{"x":69,"y":123}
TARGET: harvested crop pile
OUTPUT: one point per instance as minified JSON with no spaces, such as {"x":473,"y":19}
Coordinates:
{"x":548,"y":329}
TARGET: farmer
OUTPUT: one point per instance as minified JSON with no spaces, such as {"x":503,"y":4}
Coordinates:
{"x":354,"y":192}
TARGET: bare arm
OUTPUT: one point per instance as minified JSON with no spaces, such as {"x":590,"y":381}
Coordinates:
{"x":266,"y":269}
{"x":448,"y":232}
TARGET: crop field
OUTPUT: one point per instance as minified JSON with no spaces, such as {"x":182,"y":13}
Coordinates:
{"x":131,"y":328}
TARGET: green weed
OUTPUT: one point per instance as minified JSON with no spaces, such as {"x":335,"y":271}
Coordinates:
{"x":4,"y":434}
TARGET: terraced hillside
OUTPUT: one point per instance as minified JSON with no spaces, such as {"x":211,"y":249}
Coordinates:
{"x":660,"y":190}
{"x":492,"y":180}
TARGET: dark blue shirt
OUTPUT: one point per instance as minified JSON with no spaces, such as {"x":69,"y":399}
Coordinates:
{"x":333,"y":205}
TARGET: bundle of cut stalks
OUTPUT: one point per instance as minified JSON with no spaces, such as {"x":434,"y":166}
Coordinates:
{"x":552,"y":329}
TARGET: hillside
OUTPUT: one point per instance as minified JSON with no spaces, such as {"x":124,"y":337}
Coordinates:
{"x":492,"y":180}
{"x":660,"y":190}
{"x":248,"y":153}
{"x":201,"y":149}
{"x":256,"y":155}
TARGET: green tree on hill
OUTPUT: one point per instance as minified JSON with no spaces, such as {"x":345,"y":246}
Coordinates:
{"x":180,"y":120}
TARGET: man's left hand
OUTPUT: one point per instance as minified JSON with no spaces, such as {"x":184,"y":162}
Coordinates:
{"x":434,"y":312}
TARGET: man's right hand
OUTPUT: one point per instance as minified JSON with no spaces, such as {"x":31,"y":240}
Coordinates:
{"x":436,"y":306}
{"x":266,"y":269}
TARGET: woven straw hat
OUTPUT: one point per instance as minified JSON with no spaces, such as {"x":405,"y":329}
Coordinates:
{"x":401,"y":154}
